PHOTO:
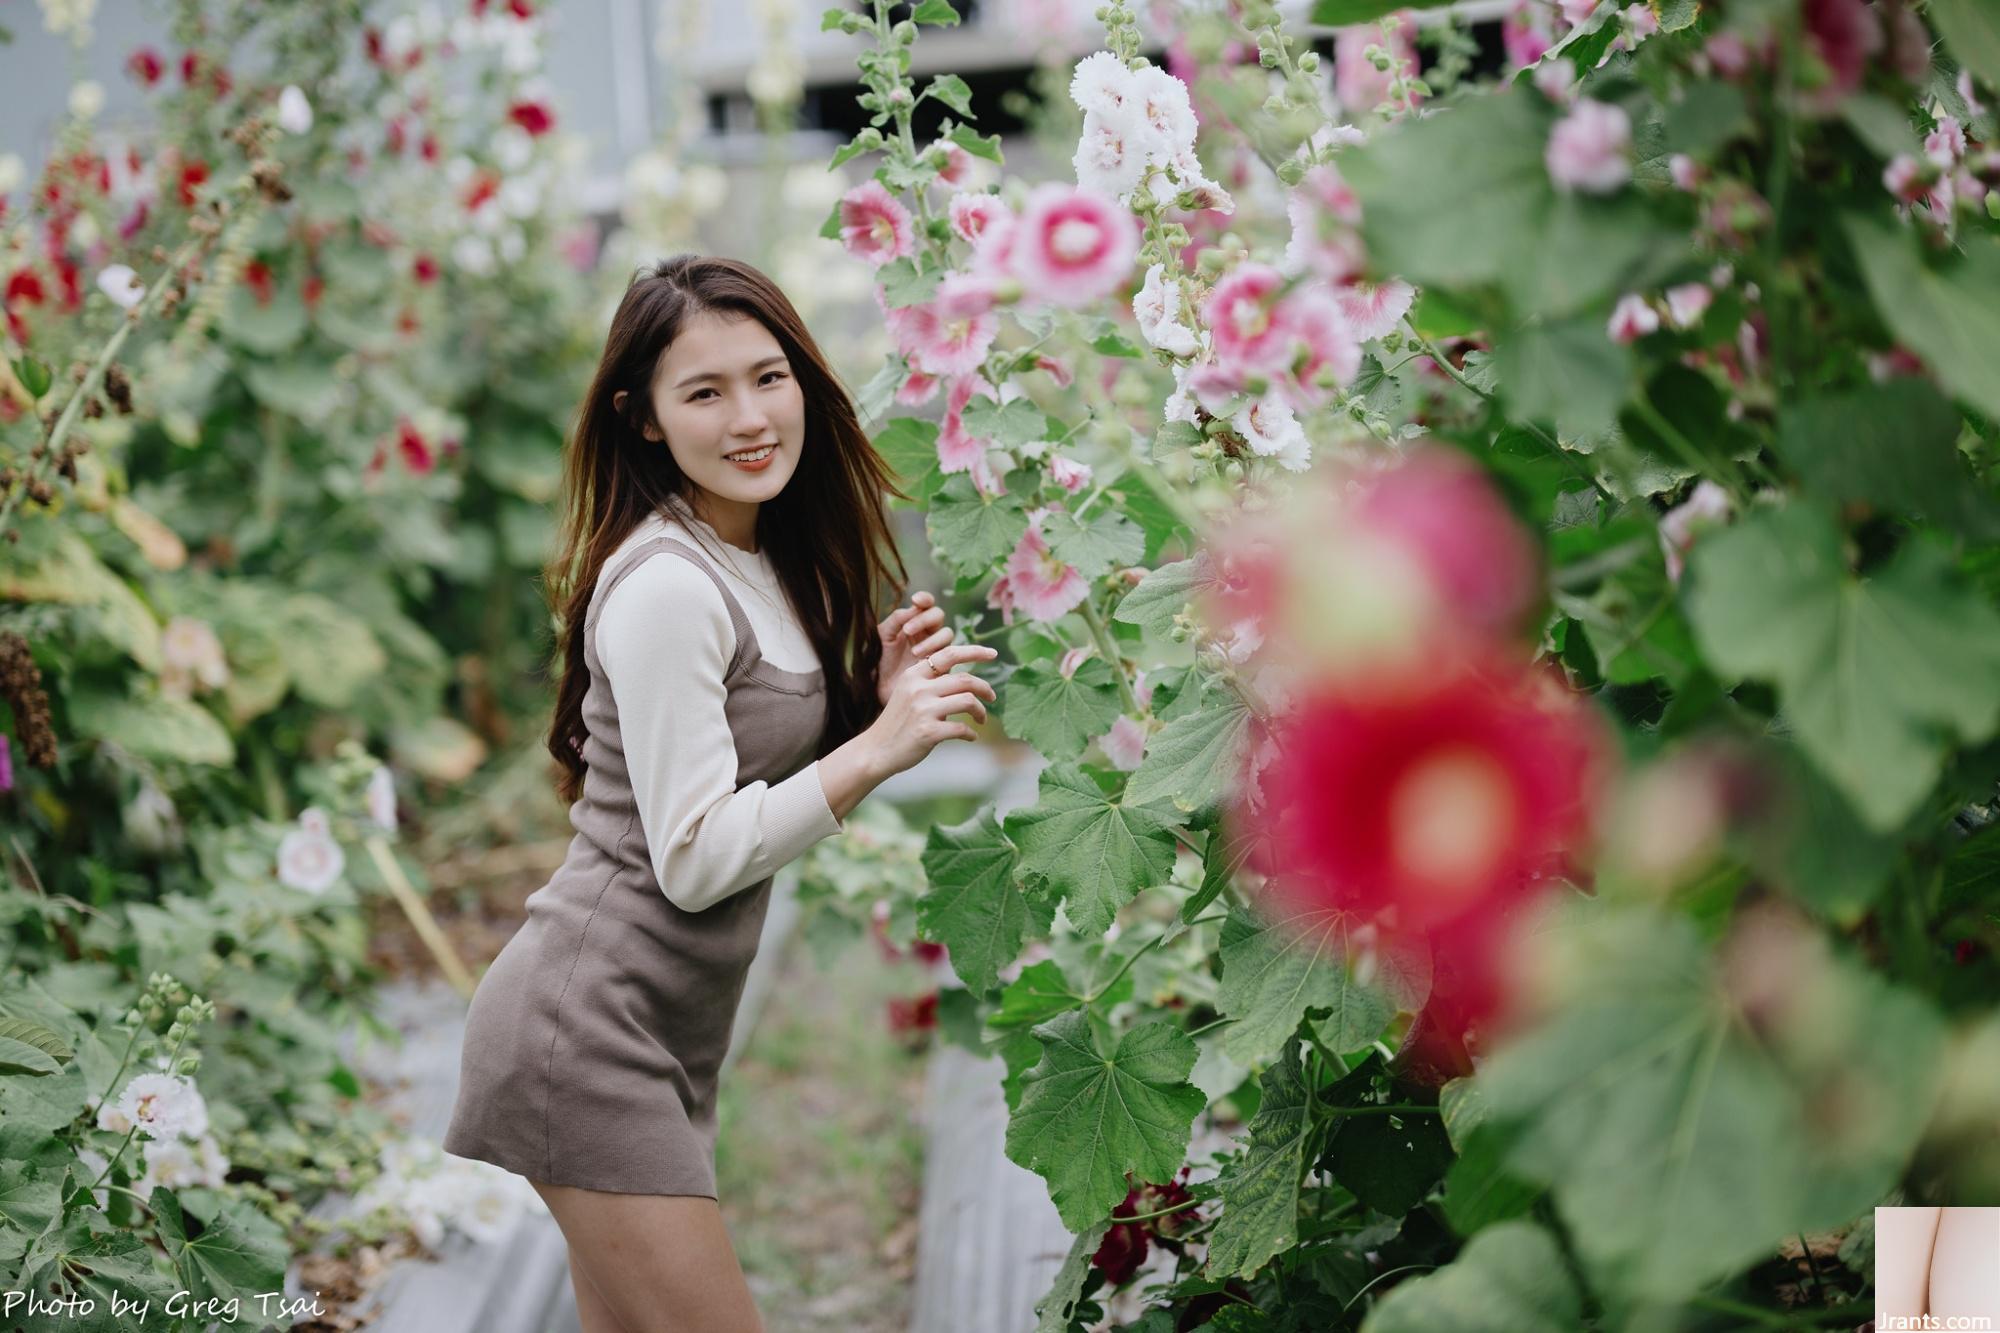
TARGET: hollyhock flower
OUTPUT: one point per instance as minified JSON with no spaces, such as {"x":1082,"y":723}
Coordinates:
{"x":1326,"y":350}
{"x":958,"y":450}
{"x":1687,"y":303}
{"x":145,"y":65}
{"x":1685,"y":172}
{"x":1429,"y":798}
{"x":1906,"y":178}
{"x":1636,"y":22}
{"x":1373,"y":309}
{"x":191,"y":178}
{"x":1707,"y":505}
{"x":1272,"y":430}
{"x":1443,"y":511}
{"x":957,"y":168}
{"x":971,"y":212}
{"x":1161,"y":102}
{"x":1324,"y":213}
{"x":1072,"y":245}
{"x":1157,"y":307}
{"x":913,"y":1013}
{"x":1841,"y":35}
{"x":122,"y":285}
{"x":1111,"y":153}
{"x":942,"y":345}
{"x":1069,"y":474}
{"x":308,"y":857}
{"x":1102,"y":83}
{"x":424,"y":268}
{"x":163,"y":1106}
{"x":416,"y":451}
{"x":537,"y":118}
{"x":874,"y":225}
{"x":1122,"y":1252}
{"x":257,"y":276}
{"x":1240,"y":313}
{"x":1587,"y":148}
{"x":917,"y":389}
{"x":1945,"y":145}
{"x":382,"y":798}
{"x":1632,"y":319}
{"x":1556,"y":80}
{"x":1125,"y":744}
{"x":1576,"y":12}
{"x":191,"y":655}
{"x":1187,"y":179}
{"x":1036,"y":582}
{"x":1356,"y":82}
{"x":176,"y":1164}
{"x":295,"y":113}
{"x":1527,"y":32}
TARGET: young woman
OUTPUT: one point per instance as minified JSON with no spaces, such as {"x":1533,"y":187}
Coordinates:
{"x":1937,"y":1268}
{"x":727,"y":698}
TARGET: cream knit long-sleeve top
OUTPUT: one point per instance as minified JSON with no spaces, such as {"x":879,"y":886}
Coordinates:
{"x":665,"y":638}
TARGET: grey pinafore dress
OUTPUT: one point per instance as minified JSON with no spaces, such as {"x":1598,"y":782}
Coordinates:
{"x":594,"y":1042}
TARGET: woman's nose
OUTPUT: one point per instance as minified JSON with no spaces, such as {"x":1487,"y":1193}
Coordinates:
{"x":750,"y":418}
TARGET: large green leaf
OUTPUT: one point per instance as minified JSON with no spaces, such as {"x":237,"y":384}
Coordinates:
{"x":155,"y":727}
{"x":1876,"y":675}
{"x":43,"y":1104}
{"x":1090,"y":851}
{"x":1260,"y":1190}
{"x":1893,"y":445}
{"x":329,"y":652}
{"x":1389,"y":1161}
{"x":974,"y":907}
{"x":1344,"y":13}
{"x":1160,"y":596}
{"x":1103,"y":541}
{"x":1053,"y":1310}
{"x":230,"y":1253}
{"x":1951,"y":316}
{"x":1195,"y":758}
{"x":972,"y":530}
{"x":1509,"y":1279}
{"x":1971,"y":31}
{"x":69,"y":571}
{"x":909,"y":446}
{"x":87,"y":1263}
{"x":1283,"y":960}
{"x":1057,"y":714}
{"x":1094,"y":1110}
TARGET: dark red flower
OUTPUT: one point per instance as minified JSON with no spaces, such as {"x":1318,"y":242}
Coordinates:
{"x":913,"y":1013}
{"x":311,"y":289}
{"x":190,"y":66}
{"x":416,"y":450}
{"x":145,"y":65}
{"x":484,"y":186}
{"x":424,"y":269}
{"x":534,"y":117}
{"x":427,"y":148}
{"x":191,"y":179}
{"x":1429,"y":798}
{"x":371,"y":41}
{"x":135,"y":221}
{"x":257,"y":277}
{"x":1123,"y":1250}
{"x":25,"y":288}
{"x":521,"y":9}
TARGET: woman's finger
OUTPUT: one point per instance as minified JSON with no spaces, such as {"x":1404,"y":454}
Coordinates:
{"x":923,"y":622}
{"x":935,"y":641}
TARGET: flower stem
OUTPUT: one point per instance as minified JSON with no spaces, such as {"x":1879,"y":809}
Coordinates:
{"x":1142,"y":951}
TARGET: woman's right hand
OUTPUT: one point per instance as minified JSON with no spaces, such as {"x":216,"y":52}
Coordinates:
{"x":917,"y":714}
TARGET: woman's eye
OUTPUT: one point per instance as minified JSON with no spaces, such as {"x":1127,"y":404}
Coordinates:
{"x":778,"y":373}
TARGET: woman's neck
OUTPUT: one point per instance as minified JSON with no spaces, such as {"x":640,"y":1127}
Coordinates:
{"x":735,"y":521}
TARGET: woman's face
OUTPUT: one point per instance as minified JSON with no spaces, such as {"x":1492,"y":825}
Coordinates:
{"x":724,"y":392}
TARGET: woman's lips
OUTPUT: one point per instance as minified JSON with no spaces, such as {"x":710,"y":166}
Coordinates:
{"x":760,"y":464}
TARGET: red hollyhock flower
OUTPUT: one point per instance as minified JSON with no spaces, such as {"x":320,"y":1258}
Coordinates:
{"x":521,"y":9}
{"x":1428,"y":800}
{"x":71,"y":279}
{"x":424,"y":269}
{"x":145,"y":65}
{"x":190,"y":66}
{"x":192,"y":177}
{"x":485,"y":186}
{"x":257,"y":277}
{"x":416,"y":450}
{"x":428,"y":148}
{"x":134,"y":221}
{"x":311,"y":289}
{"x":371,"y":42}
{"x":1123,"y":1250}
{"x":913,"y":1013}
{"x":534,"y":117}
{"x":396,"y":139}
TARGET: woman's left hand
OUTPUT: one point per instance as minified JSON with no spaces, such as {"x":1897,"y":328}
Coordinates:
{"x":910,"y":634}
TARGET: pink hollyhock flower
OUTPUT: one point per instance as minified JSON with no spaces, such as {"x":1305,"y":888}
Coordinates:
{"x":417,"y":454}
{"x":1707,"y":505}
{"x":1374,"y":308}
{"x":1072,"y":245}
{"x":1356,"y":82}
{"x":1638,"y":22}
{"x":1632,"y":319}
{"x":938,"y":345}
{"x":957,"y":164}
{"x":958,"y":450}
{"x":1576,"y":12}
{"x":1125,"y":744}
{"x":1069,"y":474}
{"x":1841,"y":35}
{"x":1055,"y":370}
{"x":1241,"y":315}
{"x":1527,"y":32}
{"x":966,"y":295}
{"x":145,"y":65}
{"x":1587,"y":148}
{"x":1324,"y":212}
{"x":1067,"y":664}
{"x":1036,"y":582}
{"x":917,"y":389}
{"x":1730,"y":54}
{"x":1428,"y":799}
{"x":1687,"y":303}
{"x":1685,"y":172}
{"x":970,"y":212}
{"x":1443,"y":511}
{"x":1556,"y":80}
{"x":535,"y":117}
{"x":1906,"y":178}
{"x":1945,"y":145}
{"x":874,"y":225}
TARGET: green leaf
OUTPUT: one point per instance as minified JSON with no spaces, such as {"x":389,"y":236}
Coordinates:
{"x":155,"y":727}
{"x":971,"y":530}
{"x":1091,"y":851}
{"x":1707,"y":116}
{"x":1881,"y":124}
{"x":1876,"y":675}
{"x":1104,"y":541}
{"x":17,"y":1057}
{"x":1950,"y":317}
{"x":1053,"y":1312}
{"x":1014,"y":422}
{"x":34,"y":374}
{"x":1057,"y":714}
{"x":44,"y":1104}
{"x":1280,"y":961}
{"x":1160,"y":596}
{"x":974,"y":907}
{"x":909,"y":446}
{"x":1674,"y":15}
{"x":1893,"y":444}
{"x":1389,"y":1161}
{"x":977,"y":144}
{"x":271,"y":329}
{"x":903,"y":283}
{"x":70,"y":572}
{"x":42,"y":1038}
{"x":1565,"y":371}
{"x":1478,"y":1189}
{"x":232,"y":1252}
{"x":1509,"y":1279}
{"x":1971,"y":31}
{"x":1341,"y":13}
{"x":86,"y":1261}
{"x":952,"y":91}
{"x":935,"y":11}
{"x":1194,"y":759}
{"x":1041,"y":992}
{"x":329,"y":651}
{"x":1260,"y":1190}
{"x":1092,"y":1111}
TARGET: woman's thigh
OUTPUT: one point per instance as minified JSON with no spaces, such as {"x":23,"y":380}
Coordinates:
{"x":662,"y":1262}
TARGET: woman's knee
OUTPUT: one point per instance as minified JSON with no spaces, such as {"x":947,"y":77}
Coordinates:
{"x":662,"y":1263}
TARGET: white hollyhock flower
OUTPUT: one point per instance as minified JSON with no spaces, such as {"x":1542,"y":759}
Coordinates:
{"x":308,"y":857}
{"x":382,"y":798}
{"x":190,"y":653}
{"x":122,"y":285}
{"x":12,"y":172}
{"x":295,"y":113}
{"x":1102,"y":83}
{"x":86,"y":99}
{"x":1157,"y":307}
{"x":1268,"y":425}
{"x":1162,"y":102}
{"x":1111,"y":154}
{"x":162,"y":1105}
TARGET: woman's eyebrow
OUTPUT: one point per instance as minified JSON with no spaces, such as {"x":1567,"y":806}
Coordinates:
{"x":716,"y":374}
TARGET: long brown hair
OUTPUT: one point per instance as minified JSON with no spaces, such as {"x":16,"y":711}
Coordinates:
{"x":826,"y":532}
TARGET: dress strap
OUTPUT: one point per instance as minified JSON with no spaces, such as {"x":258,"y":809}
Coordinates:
{"x":746,"y":640}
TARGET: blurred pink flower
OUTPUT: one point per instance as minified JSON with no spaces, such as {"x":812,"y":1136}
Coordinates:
{"x":874,"y":225}
{"x":1841,"y":35}
{"x":1587,"y":148}
{"x":1069,"y":474}
{"x":1632,"y":319}
{"x":1036,"y":583}
{"x":1125,"y":744}
{"x":1706,"y":506}
{"x":1374,"y":308}
{"x":1072,"y":246}
{"x":1527,"y":32}
{"x":970,"y":212}
{"x":1241,"y":314}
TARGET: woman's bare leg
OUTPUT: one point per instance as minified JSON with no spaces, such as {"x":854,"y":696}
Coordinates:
{"x":593,"y":1312}
{"x":661,"y":1262}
